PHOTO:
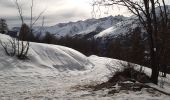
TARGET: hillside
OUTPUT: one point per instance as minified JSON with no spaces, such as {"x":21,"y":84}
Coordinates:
{"x":54,"y":72}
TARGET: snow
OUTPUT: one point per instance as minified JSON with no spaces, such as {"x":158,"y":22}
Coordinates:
{"x":166,"y":86}
{"x":47,"y":57}
{"x":120,"y":28}
{"x":52,"y":72}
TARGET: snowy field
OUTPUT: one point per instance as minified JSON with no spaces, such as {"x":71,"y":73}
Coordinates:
{"x":53,"y":73}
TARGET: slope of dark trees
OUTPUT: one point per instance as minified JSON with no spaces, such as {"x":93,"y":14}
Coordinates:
{"x":87,"y":47}
{"x":129,"y":47}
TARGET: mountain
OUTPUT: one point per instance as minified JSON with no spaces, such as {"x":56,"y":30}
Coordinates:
{"x":106,"y":27}
{"x":119,"y":28}
{"x":81,"y":27}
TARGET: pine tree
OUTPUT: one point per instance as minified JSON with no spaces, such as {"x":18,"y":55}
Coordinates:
{"x":24,"y":32}
{"x":3,"y":26}
{"x":49,"y":38}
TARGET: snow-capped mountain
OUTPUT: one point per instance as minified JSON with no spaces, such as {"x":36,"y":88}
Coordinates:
{"x":82,"y":27}
{"x":120,"y":28}
{"x":99,"y":28}
{"x":126,"y":26}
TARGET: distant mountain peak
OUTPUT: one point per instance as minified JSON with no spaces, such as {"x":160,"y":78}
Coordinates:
{"x":83,"y":27}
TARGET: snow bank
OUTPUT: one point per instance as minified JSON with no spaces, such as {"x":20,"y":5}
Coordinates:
{"x":43,"y":58}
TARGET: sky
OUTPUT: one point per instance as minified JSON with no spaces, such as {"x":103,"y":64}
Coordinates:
{"x":56,"y":11}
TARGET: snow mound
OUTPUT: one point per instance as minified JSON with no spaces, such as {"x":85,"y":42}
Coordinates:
{"x":59,"y":57}
{"x":43,"y":58}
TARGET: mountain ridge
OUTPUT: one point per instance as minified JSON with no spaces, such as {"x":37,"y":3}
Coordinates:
{"x":81,"y":27}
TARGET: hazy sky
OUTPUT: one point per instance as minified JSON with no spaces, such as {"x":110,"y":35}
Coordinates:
{"x":57,"y":11}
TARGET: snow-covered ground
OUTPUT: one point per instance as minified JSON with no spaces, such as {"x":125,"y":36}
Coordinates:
{"x":53,"y":73}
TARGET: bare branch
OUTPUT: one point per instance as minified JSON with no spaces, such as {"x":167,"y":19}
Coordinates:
{"x":38,"y":17}
{"x":19,"y":11}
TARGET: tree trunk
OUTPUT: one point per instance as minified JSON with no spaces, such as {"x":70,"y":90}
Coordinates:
{"x":154,"y":63}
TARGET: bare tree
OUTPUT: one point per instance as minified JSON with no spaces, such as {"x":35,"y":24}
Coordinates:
{"x":26,"y":44}
{"x":9,"y":47}
{"x":20,"y":46}
{"x":145,"y":10}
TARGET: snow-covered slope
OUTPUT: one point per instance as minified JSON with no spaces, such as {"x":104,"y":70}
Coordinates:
{"x":126,"y":25}
{"x":119,"y":28}
{"x":53,"y":73}
{"x":45,"y":57}
{"x":49,"y":72}
{"x":82,"y":27}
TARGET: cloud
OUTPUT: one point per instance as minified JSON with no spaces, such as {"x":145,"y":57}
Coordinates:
{"x":57,"y":11}
{"x":7,"y":3}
